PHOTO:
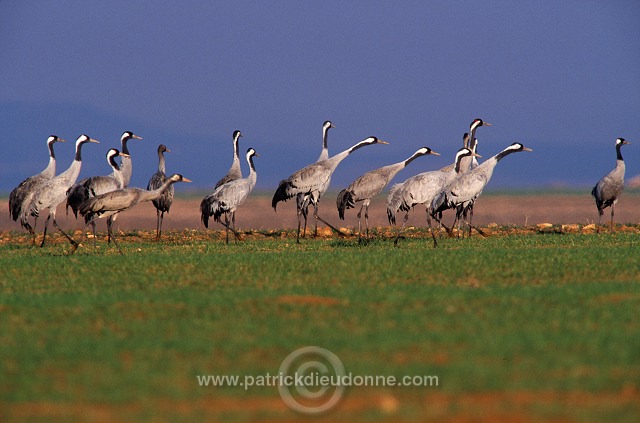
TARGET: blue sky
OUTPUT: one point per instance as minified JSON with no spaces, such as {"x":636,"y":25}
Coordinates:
{"x":561,"y":77}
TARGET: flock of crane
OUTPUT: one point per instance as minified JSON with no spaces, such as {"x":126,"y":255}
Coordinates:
{"x":454,"y":187}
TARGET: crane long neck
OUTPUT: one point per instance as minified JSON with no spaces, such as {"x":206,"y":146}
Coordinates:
{"x":161,"y":162}
{"x":503,"y":154}
{"x":618,"y":152}
{"x":325,"y":131}
{"x":127,"y":165}
{"x":458,"y":163}
{"x":125,"y":149}
{"x":335,"y":160}
{"x":410,"y":159}
{"x":156,"y":193}
{"x":50,"y":170}
{"x":236,"y":154}
{"x":52,"y":154}
{"x":78,"y":157}
{"x":253,"y":175}
{"x":472,"y":132}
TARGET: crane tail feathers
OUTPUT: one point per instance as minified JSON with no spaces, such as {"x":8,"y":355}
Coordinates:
{"x":344,"y":201}
{"x":281,"y":194}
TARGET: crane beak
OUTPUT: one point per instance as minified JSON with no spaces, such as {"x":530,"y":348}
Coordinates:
{"x":167,"y":151}
{"x":625,"y":142}
{"x":526,"y":149}
{"x":434,"y":153}
{"x":382,"y":142}
{"x":136,"y":137}
{"x":486,"y":124}
{"x":186,"y":179}
{"x":61,"y":140}
{"x":123,"y":155}
{"x":92,"y":140}
{"x":476,"y":155}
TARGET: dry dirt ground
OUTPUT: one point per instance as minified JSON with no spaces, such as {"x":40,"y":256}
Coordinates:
{"x":257,"y":213}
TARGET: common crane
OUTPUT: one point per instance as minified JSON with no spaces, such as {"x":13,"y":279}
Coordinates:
{"x":370,"y":184}
{"x":96,"y":185}
{"x":54,"y":191}
{"x":463,"y":191}
{"x":162,"y":203}
{"x":314,"y":180}
{"x":422,"y":189}
{"x":608,"y":189}
{"x":20,"y":197}
{"x":112,"y":203}
{"x":226,"y":199}
{"x":302,"y":200}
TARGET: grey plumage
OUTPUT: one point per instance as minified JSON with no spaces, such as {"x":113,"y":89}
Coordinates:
{"x":371,"y":184}
{"x":463,"y":191}
{"x":302,"y":200}
{"x":162,"y":203}
{"x":422,"y":189}
{"x":228,"y":197}
{"x":470,"y":162}
{"x":314,"y":179}
{"x":54,"y":191}
{"x":96,"y":185}
{"x":468,"y":141}
{"x":609,"y":187}
{"x":126,"y":166}
{"x":235,"y":172}
{"x":112,"y":203}
{"x":20,"y":197}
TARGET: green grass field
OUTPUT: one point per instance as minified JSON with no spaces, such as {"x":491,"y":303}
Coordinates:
{"x":516,"y":328}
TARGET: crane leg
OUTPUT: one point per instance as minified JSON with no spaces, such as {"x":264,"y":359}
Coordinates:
{"x":305,"y":215}
{"x":31,"y":230}
{"x":226,"y":232}
{"x":158,"y":223}
{"x":366,"y":219}
{"x":110,"y":234}
{"x":73,"y":243}
{"x":433,"y":235}
{"x":44,"y":235}
{"x":229,"y":228}
{"x":233,"y":226}
{"x":299,"y":221}
{"x":600,"y":213}
{"x":328,"y":224}
{"x":611,"y":224}
{"x":404,"y":221}
{"x":360,"y":223}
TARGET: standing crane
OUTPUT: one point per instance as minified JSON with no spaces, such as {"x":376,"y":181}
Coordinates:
{"x":228,"y":197}
{"x":463,"y":191}
{"x":112,"y":203}
{"x":422,"y":189}
{"x":20,"y":197}
{"x":608,"y":189}
{"x":54,"y":191}
{"x":162,"y":203}
{"x":369,"y":185}
{"x":235,"y":172}
{"x":127,"y":165}
{"x":96,"y":185}
{"x":302,"y":200}
{"x":314,"y":179}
